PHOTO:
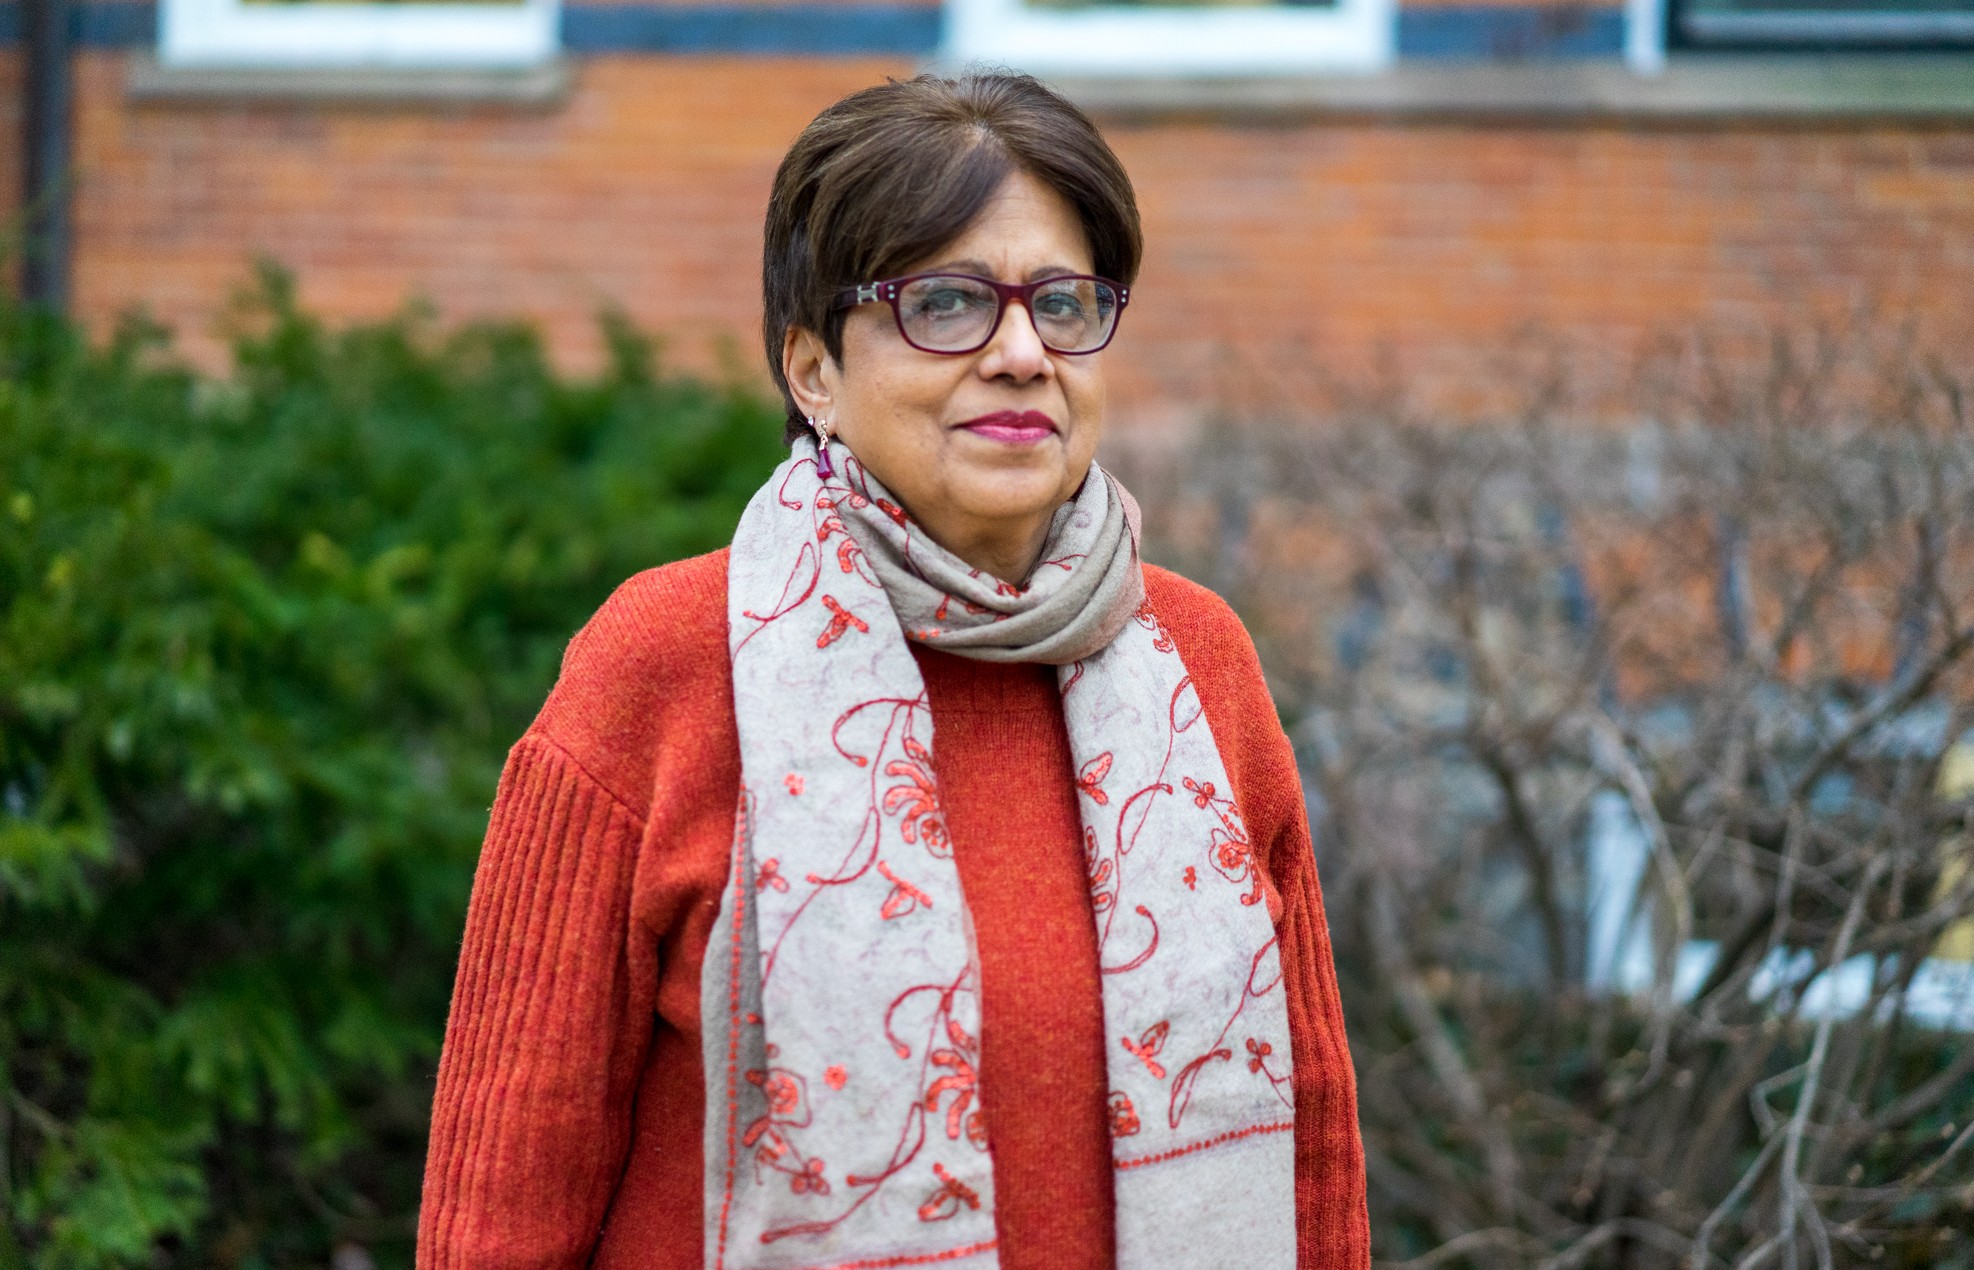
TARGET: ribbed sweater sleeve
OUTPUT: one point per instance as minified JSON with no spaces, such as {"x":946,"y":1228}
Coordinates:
{"x":1333,"y":1230}
{"x":531,"y":1119}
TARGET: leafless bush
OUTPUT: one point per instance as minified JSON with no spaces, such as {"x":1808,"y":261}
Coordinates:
{"x":1639,"y":779}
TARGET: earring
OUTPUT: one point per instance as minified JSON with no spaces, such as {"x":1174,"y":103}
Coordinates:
{"x":823,"y":465}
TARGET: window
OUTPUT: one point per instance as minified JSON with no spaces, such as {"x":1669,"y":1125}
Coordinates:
{"x":1230,"y":37}
{"x":1807,"y":24}
{"x":331,"y":34}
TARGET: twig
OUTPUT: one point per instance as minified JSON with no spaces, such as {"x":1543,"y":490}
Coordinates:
{"x":1471,"y":1242}
{"x":1794,"y":1197}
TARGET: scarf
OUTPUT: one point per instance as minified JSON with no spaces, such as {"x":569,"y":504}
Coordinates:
{"x":841,"y":991}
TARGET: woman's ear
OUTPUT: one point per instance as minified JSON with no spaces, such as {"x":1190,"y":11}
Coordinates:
{"x":808,"y":368}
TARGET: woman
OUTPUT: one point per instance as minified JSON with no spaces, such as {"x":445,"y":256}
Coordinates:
{"x":1013,"y":953}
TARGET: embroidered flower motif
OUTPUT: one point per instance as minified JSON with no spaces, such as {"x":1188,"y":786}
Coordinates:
{"x":836,"y":1076}
{"x":766,"y":1137}
{"x":1191,"y":878}
{"x":784,"y":1095}
{"x":769,"y":875}
{"x":1090,"y":778}
{"x":1258,"y":1052}
{"x":892,"y":510}
{"x":918,"y":799}
{"x":1123,"y":1116}
{"x":976,"y":1131}
{"x":808,"y":1180}
{"x":951,"y":1196}
{"x":794,"y":784}
{"x":1102,"y":894}
{"x":1147,"y":1047}
{"x":841,"y":620}
{"x":1236,"y":863}
{"x":960,"y":1083}
{"x":904,"y":898}
{"x":1230,"y":851}
{"x":1161,"y":638}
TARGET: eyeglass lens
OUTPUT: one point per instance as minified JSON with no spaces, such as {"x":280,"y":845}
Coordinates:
{"x":956,"y":314}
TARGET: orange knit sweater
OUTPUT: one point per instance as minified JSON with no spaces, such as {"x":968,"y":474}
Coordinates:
{"x":568,"y":1122}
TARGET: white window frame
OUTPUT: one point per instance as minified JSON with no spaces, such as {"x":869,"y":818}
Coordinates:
{"x":1109,"y":40}
{"x":230,"y":33}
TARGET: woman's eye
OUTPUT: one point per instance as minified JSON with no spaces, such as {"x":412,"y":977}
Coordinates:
{"x":1059,"y":305}
{"x":945,"y":302}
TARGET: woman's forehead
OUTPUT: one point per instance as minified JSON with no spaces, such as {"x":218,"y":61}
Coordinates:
{"x":1026,"y":230}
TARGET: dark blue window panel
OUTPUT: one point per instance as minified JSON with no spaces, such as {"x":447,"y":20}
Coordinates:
{"x":1510,"y":34}
{"x":100,"y":25}
{"x":835,"y":30}
{"x":115,"y":25}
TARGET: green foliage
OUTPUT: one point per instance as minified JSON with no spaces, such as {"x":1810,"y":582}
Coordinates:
{"x":264,"y":640}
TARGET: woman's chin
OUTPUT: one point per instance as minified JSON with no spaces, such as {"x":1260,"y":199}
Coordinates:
{"x":1011,"y":492}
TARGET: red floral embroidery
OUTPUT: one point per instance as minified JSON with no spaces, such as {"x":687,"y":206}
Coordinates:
{"x":951,"y":1196}
{"x":1258,"y":1053}
{"x":1090,"y":778}
{"x":960,"y":1083}
{"x":1161,"y":638}
{"x":1191,"y":878}
{"x":769,"y":874}
{"x":1147,"y":1047}
{"x":848,"y":552}
{"x":767,"y":1136}
{"x":841,"y":620}
{"x":1102,"y":891}
{"x":1230,"y":852}
{"x":904,"y":898}
{"x":892,"y":510}
{"x":1123,"y":1116}
{"x":793,"y":782}
{"x":784,"y":1095}
{"x":836,"y":1076}
{"x":918,"y":799}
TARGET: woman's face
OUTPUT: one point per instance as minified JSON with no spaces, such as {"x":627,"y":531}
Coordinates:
{"x":982,"y":447}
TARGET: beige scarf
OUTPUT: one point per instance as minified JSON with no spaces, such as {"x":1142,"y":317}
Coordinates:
{"x":841,"y":989}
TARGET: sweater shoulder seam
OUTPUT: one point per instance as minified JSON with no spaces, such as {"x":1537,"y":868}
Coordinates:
{"x":548,"y":740}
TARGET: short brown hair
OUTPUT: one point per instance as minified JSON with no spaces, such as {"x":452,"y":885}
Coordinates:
{"x":890,"y":174}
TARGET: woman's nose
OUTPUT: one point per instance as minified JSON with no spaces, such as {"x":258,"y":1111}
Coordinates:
{"x":1016,"y":349}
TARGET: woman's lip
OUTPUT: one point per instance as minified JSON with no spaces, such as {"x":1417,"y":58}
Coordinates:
{"x":1012,"y":427}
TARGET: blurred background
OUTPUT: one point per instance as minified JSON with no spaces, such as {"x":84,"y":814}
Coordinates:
{"x":1575,"y":399}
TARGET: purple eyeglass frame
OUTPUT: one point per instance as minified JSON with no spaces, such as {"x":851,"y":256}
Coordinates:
{"x":888,"y":290}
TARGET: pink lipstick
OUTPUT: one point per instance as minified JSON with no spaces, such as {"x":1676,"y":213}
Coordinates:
{"x":1011,"y":427}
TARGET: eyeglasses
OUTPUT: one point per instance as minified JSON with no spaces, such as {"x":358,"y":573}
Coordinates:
{"x":959,"y":313}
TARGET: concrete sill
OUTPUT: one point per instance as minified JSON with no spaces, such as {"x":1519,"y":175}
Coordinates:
{"x":531,"y":88}
{"x":1695,"y":88}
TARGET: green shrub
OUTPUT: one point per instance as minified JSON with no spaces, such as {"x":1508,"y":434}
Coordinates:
{"x":264,"y":640}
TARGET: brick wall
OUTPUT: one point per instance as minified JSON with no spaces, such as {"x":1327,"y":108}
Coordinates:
{"x":1432,"y":244}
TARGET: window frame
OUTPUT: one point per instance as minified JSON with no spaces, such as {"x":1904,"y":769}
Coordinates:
{"x":201,"y":34}
{"x":1808,"y":30}
{"x":1121,"y":40}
